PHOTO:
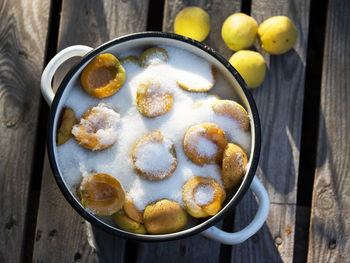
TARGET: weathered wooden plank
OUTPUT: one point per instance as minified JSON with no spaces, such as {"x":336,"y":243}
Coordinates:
{"x":280,"y":104}
{"x":62,"y":235}
{"x":196,"y":248}
{"x":329,"y":237}
{"x":192,"y":249}
{"x":23,"y":30}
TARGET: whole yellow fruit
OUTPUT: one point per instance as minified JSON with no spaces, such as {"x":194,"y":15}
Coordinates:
{"x":277,"y":35}
{"x":192,"y":22}
{"x":250,"y":65}
{"x":239,"y":31}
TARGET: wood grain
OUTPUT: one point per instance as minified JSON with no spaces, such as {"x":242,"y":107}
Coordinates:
{"x":62,"y":235}
{"x":196,"y":248}
{"x":192,"y":249}
{"x":280,"y":104}
{"x":329,"y":237}
{"x":23,"y":30}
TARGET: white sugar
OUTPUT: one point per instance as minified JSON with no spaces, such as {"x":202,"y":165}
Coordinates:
{"x":203,"y":194}
{"x":75,"y":161}
{"x":154,"y":158}
{"x":205,"y":147}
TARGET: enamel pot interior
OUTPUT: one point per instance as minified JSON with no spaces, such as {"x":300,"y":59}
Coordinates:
{"x":238,"y":92}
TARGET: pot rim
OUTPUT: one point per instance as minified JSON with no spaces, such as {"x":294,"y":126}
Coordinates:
{"x":164,"y":237}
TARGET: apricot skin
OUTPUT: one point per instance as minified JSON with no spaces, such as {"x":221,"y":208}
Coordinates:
{"x":64,"y":132}
{"x":131,"y":211}
{"x":126,"y":223}
{"x":234,"y":162}
{"x":164,"y":216}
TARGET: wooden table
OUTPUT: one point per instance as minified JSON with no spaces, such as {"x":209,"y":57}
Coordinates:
{"x":304,"y":106}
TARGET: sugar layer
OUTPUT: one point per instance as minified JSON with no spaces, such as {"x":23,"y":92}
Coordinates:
{"x":155,"y":157}
{"x":76,"y":161}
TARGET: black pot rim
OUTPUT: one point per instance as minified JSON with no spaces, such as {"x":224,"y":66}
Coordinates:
{"x":165,"y":237}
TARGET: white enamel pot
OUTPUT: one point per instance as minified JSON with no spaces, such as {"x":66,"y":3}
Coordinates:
{"x":205,"y":227}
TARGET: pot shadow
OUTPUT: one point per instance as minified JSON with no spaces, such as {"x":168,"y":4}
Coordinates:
{"x":265,"y":245}
{"x":280,"y":103}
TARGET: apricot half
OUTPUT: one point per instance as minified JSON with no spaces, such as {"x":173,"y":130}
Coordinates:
{"x":64,"y":132}
{"x":103,"y":76}
{"x":204,"y":143}
{"x":202,"y":196}
{"x":164,"y":216}
{"x":131,"y":211}
{"x":97,"y":129}
{"x":126,"y":223}
{"x":153,"y":55}
{"x":153,"y":99}
{"x":233,"y":110}
{"x":129,"y":59}
{"x":102,"y":194}
{"x":154,"y":156}
{"x":193,"y":83}
{"x":234,"y":162}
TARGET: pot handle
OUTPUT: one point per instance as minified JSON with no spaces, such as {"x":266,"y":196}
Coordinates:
{"x":52,"y":66}
{"x":259,"y":219}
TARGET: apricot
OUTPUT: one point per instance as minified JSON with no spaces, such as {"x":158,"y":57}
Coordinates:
{"x":127,"y":224}
{"x":154,"y":156}
{"x":64,"y":132}
{"x":164,"y":216}
{"x":152,"y":99}
{"x":196,"y":84}
{"x":234,"y":110}
{"x":153,"y":55}
{"x":193,"y":22}
{"x":202,"y":196}
{"x":204,"y":143}
{"x":103,"y":76}
{"x":131,"y":211}
{"x":97,"y":129}
{"x":239,"y":31}
{"x":234,"y":162}
{"x":102,"y":194}
{"x":251,"y":66}
{"x":129,"y":59}
{"x":277,"y":35}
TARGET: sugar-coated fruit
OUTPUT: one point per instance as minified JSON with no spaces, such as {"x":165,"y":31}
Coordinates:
{"x":154,"y":156}
{"x":153,"y":55}
{"x":97,"y":128}
{"x":204,"y":143}
{"x":211,"y":204}
{"x":153,"y":99}
{"x":233,"y":110}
